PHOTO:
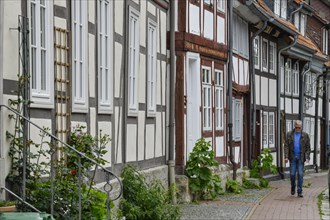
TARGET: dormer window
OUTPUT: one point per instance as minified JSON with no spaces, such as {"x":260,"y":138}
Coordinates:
{"x":280,"y":8}
{"x":325,"y":41}
{"x":300,"y":22}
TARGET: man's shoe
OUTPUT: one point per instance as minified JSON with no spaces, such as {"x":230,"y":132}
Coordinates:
{"x":292,"y":191}
{"x":300,"y":195}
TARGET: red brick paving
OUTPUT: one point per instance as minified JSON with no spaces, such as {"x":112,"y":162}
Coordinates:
{"x":280,"y":204}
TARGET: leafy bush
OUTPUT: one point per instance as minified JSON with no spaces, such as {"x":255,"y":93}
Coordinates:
{"x":145,"y":201}
{"x":262,"y":164}
{"x":202,"y":182}
{"x":249,"y":185}
{"x":233,"y":186}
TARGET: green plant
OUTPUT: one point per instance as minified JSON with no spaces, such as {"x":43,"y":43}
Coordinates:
{"x":233,"y":186}
{"x":264,"y":183}
{"x":262,"y":164}
{"x":145,"y":201}
{"x":203,"y":183}
{"x":7,"y":203}
{"x":247,"y":184}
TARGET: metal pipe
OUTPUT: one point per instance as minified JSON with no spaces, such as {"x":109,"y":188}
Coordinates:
{"x":171,"y":161}
{"x":230,"y":91}
{"x":295,"y":11}
{"x":253,"y":86}
{"x":278,"y":102}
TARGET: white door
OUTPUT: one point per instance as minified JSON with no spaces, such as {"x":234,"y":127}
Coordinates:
{"x":193,"y":101}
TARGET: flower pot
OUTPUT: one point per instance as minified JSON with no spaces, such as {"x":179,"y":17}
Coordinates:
{"x":11,"y":208}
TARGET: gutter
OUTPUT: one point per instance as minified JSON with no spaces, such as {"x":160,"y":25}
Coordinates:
{"x":278,"y":102}
{"x":252,"y":145}
{"x":171,"y":162}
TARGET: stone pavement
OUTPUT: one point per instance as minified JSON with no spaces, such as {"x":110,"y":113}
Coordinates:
{"x":273,"y":203}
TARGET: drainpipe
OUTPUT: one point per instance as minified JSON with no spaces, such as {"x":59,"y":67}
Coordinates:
{"x":125,"y":94}
{"x":230,"y":86}
{"x":278,"y":102}
{"x":253,"y":86}
{"x":295,"y":11}
{"x":326,"y":127}
{"x":171,"y":162}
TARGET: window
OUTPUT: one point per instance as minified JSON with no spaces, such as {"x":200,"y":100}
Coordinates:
{"x":240,"y":41}
{"x":221,"y":5}
{"x":219,"y":99}
{"x":289,"y":125}
{"x":207,"y":98}
{"x":268,"y":129}
{"x":79,"y":56}
{"x":133,"y":61}
{"x":272,"y":57}
{"x":295,"y":73}
{"x":325,"y":41}
{"x":314,"y":82}
{"x":237,"y":119}
{"x":288,"y":79}
{"x":280,"y":8}
{"x":300,"y":22}
{"x":105,"y":51}
{"x":264,"y":55}
{"x":41,"y":53}
{"x":308,"y":84}
{"x":256,"y":53}
{"x":152,"y":72}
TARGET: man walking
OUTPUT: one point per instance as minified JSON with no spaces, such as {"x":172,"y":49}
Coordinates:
{"x":297,"y":149}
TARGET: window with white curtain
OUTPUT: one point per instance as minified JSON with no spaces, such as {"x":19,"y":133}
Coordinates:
{"x":295,"y":74}
{"x":41,"y":52}
{"x":219,"y":99}
{"x":133,"y":61}
{"x":207,"y":98}
{"x":79,"y":56}
{"x":272,"y":57}
{"x":152,"y":71}
{"x":105,"y":52}
{"x":288,"y":77}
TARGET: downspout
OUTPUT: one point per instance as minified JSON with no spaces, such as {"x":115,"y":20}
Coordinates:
{"x":171,"y":162}
{"x":230,"y":86}
{"x":125,"y":94}
{"x":295,"y":11}
{"x":326,"y":127}
{"x":278,"y":102}
{"x":253,"y":86}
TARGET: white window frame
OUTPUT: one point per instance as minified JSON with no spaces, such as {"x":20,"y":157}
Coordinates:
{"x":240,"y":41}
{"x":237,"y":119}
{"x":264,"y":55}
{"x":41,"y":41}
{"x":280,"y":8}
{"x":289,"y":126}
{"x":105,"y":56}
{"x":207,"y":98}
{"x":272,"y":58}
{"x":219,"y":99}
{"x":295,"y":81}
{"x":256,"y":46}
{"x":288,"y":77}
{"x":268,"y":129}
{"x":133,"y":61}
{"x":221,"y":5}
{"x":265,"y":129}
{"x":152,"y":68}
{"x":282,"y":70}
{"x":79,"y":57}
{"x":325,"y":41}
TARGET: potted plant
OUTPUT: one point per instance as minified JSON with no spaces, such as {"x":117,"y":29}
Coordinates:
{"x":7,"y":206}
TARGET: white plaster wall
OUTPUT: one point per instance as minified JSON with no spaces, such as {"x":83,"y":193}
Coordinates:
{"x":220,"y":148}
{"x":159,"y":136}
{"x":151,"y":7}
{"x":75,"y":124}
{"x":91,"y":65}
{"x":60,"y":22}
{"x":118,"y":65}
{"x":282,"y":103}
{"x":241,"y":72}
{"x":141,"y":135}
{"x":150,"y":141}
{"x":118,"y":133}
{"x":161,"y":68}
{"x":246,"y":72}
{"x":288,"y":108}
{"x":143,"y":23}
{"x":272,"y":92}
{"x":118,"y":17}
{"x":257,"y":88}
{"x":163,"y":31}
{"x":237,"y":154}
{"x":194,"y":17}
{"x":235,"y":69}
{"x":142,"y":79}
{"x":92,"y":124}
{"x":131,"y":143}
{"x":295,"y":109}
{"x":60,"y":3}
{"x":105,"y":128}
{"x":91,"y":11}
{"x":208,"y":24}
{"x":264,"y":91}
{"x":10,"y":37}
{"x":221,"y":30}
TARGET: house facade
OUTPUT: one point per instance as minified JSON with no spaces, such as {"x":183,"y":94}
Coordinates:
{"x":98,"y":64}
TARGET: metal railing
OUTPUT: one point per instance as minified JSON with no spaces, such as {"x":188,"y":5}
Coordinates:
{"x":109,"y":176}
